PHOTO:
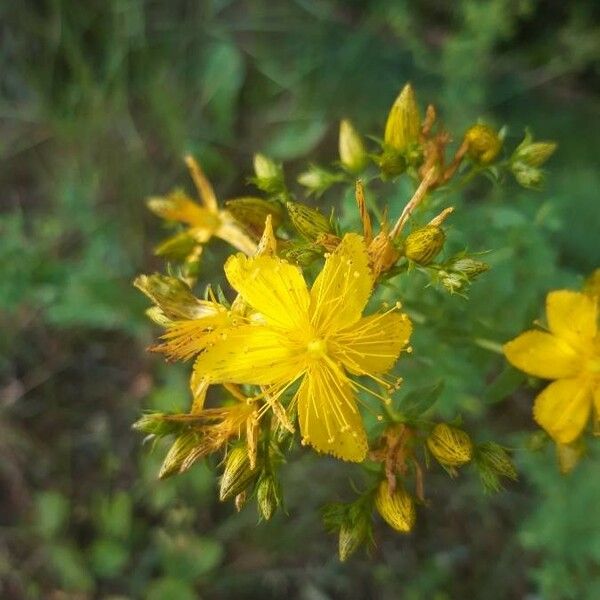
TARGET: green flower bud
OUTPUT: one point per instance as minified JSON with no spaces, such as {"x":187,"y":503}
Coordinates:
{"x":177,"y":459}
{"x":352,"y":536}
{"x":451,"y":447}
{"x":493,"y":462}
{"x":267,"y":496}
{"x":237,"y":474}
{"x":533,"y":154}
{"x":310,"y":223}
{"x":352,"y":150}
{"x":403,"y":125}
{"x":528,"y":177}
{"x":397,"y":508}
{"x":424,"y":244}
{"x":469,"y":267}
{"x":391,"y":163}
{"x":265,"y":168}
{"x":317,"y":180}
{"x":484,"y":143}
{"x":269,"y":175}
{"x":252,"y":213}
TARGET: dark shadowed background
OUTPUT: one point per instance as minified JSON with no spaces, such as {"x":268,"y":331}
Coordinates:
{"x":99,"y":100}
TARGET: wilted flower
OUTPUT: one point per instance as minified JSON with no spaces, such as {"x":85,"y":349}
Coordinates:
{"x":203,"y":220}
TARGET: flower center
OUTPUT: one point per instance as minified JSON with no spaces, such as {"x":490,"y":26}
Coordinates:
{"x":317,"y":347}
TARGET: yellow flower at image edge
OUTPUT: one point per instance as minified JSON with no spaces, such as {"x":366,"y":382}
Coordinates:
{"x":316,"y":338}
{"x":569,"y":353}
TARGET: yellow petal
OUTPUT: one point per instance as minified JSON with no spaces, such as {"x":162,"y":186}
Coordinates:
{"x":543,"y":355}
{"x":184,"y":339}
{"x":572,"y":316}
{"x":203,"y":185}
{"x":373,"y":344}
{"x":250,"y":354}
{"x":234,"y":234}
{"x":272,"y":287}
{"x":343,"y":287}
{"x":178,"y":206}
{"x":563,"y":409}
{"x":329,"y":417}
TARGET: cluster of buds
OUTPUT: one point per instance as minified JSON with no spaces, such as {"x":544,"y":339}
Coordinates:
{"x":527,"y":159}
{"x":284,"y":355}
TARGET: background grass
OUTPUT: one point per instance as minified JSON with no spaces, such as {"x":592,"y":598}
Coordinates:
{"x":98,"y":102}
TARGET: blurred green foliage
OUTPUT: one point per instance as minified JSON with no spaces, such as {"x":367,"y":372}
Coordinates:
{"x":99,"y":100}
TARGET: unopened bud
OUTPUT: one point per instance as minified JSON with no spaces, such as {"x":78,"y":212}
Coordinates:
{"x":352,"y":536}
{"x":267,"y":496}
{"x":403,"y":125}
{"x":252,"y":212}
{"x":469,"y":267}
{"x":528,"y":177}
{"x":451,"y":447}
{"x":308,"y":221}
{"x":237,"y":474}
{"x":177,"y":458}
{"x":269,"y":175}
{"x":533,"y":154}
{"x":265,"y":168}
{"x":352,"y":150}
{"x":397,"y":508}
{"x":391,"y":163}
{"x":317,"y":180}
{"x":484,"y":143}
{"x":424,"y":244}
{"x":493,"y":462}
{"x":157,"y":424}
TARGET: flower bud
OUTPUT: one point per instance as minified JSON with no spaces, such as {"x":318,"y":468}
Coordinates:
{"x":397,"y":508}
{"x":310,"y":223}
{"x":352,"y":150}
{"x":237,"y":474}
{"x":265,"y":168}
{"x":528,"y":177}
{"x":493,"y":462}
{"x":269,"y":175}
{"x":317,"y":180}
{"x":424,"y":244}
{"x":469,"y":267}
{"x":158,"y":424}
{"x":403,"y":125}
{"x":267,"y":496}
{"x":391,"y":163}
{"x":177,"y":458}
{"x":252,"y":212}
{"x":484,"y":143}
{"x":533,"y":154}
{"x":352,"y":536}
{"x":451,"y":447}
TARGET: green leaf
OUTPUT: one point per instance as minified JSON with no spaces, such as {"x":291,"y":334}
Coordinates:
{"x":415,"y":403}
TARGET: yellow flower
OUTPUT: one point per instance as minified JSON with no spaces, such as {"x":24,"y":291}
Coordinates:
{"x":569,"y":353}
{"x":314,"y":338}
{"x":204,"y":220}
